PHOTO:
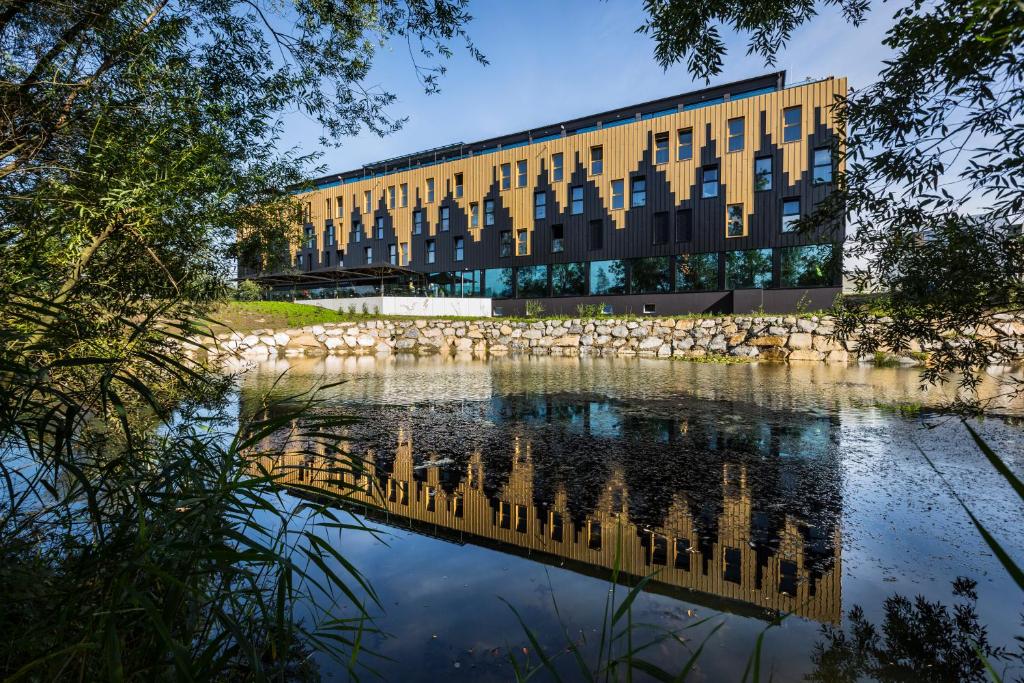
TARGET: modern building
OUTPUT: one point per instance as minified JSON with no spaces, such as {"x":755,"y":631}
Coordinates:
{"x":683,"y":204}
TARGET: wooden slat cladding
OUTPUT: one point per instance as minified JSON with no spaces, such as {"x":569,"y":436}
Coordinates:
{"x":628,"y":152}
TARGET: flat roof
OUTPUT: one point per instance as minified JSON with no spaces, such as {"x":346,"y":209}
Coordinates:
{"x":694,"y":99}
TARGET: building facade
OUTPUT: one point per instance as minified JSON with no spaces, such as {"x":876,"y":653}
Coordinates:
{"x":684,"y":204}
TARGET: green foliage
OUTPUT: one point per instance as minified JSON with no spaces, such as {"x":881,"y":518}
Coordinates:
{"x":590,"y":310}
{"x":937,"y":131}
{"x":534,"y":309}
{"x":248,"y":290}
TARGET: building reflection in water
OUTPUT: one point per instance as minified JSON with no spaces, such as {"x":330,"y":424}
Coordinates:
{"x":733,"y":507}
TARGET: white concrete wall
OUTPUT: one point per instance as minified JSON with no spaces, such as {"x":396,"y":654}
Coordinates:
{"x":419,"y":306}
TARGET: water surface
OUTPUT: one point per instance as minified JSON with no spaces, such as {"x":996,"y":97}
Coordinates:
{"x":746,"y":491}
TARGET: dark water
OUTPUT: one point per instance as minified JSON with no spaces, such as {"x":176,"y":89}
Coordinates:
{"x":748,"y":492}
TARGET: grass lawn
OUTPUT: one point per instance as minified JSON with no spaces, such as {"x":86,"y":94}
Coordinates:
{"x":243,"y":316}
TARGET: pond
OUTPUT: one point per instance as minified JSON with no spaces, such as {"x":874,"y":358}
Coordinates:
{"x":745,"y":492}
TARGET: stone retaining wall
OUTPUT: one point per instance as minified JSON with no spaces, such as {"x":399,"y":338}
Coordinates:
{"x":782,"y":338}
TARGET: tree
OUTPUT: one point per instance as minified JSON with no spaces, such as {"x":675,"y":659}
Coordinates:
{"x":940,"y":129}
{"x":138,"y":138}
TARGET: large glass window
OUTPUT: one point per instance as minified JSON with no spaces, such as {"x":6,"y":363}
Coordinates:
{"x":532,"y":282}
{"x":638,"y":191}
{"x":709,"y":182}
{"x":506,"y":176}
{"x":751,"y":269}
{"x":763,"y":173}
{"x":488,"y":212}
{"x":568,"y":279}
{"x":556,"y":167}
{"x":557,"y":239}
{"x":540,"y":205}
{"x":735,"y":223}
{"x":618,"y":200}
{"x":650,"y":275}
{"x":607,"y":277}
{"x":661,"y":148}
{"x":696,"y":272}
{"x":791,"y":127}
{"x":790,"y":214}
{"x":577,"y":200}
{"x":736,"y":134}
{"x":521,"y":173}
{"x":596,"y":160}
{"x":810,"y":266}
{"x":467,"y":282}
{"x":505,"y":243}
{"x":460,"y":245}
{"x":498,"y":283}
{"x":684,"y":145}
{"x":822,"y":165}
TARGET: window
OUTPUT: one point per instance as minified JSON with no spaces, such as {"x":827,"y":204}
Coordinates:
{"x":696,"y":272}
{"x":522,"y":243}
{"x":557,"y":239}
{"x":474,"y":215}
{"x":327,"y":258}
{"x":618,"y":200}
{"x":310,"y":237}
{"x":488,"y":212}
{"x":327,"y":208}
{"x":445,"y":218}
{"x":709,"y":182}
{"x":810,"y":266}
{"x":459,"y":249}
{"x":732,"y":570}
{"x":298,"y":260}
{"x":751,"y":269}
{"x":391,"y":197}
{"x":650,"y":275}
{"x":341,"y":258}
{"x":556,"y":527}
{"x":735,"y":226}
{"x":405,"y":195}
{"x":431,"y":251}
{"x":596,"y":160}
{"x":790,"y":214}
{"x":357,"y":232}
{"x":594,"y":535}
{"x":762,"y":173}
{"x":568,"y":279}
{"x":659,"y":228}
{"x":532,"y":282}
{"x":596,"y":235}
{"x":638,"y":191}
{"x":791,"y":129}
{"x":506,"y":176}
{"x":329,"y":236}
{"x":393,"y":254}
{"x":307,"y":212}
{"x":338,"y":206}
{"x":367,"y":202}
{"x":735,"y":143}
{"x":430,"y":190}
{"x":577,"y":200}
{"x":368,"y":254}
{"x":607,"y":277}
{"x":417,"y":222}
{"x":521,"y":173}
{"x":540,"y":208}
{"x":822,"y":165}
{"x":684,"y":225}
{"x":458,"y":184}
{"x":505,"y":243}
{"x":380,"y":227}
{"x":498,"y":283}
{"x":556,"y":167}
{"x":684,"y":145}
{"x":661,"y":148}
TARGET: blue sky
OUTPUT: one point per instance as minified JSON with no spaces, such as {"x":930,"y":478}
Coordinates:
{"x":555,"y":60}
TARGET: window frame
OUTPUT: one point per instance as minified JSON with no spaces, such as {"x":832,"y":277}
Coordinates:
{"x":729,"y":220}
{"x":488,"y":212}
{"x":634,"y":194}
{"x":540,"y":208}
{"x":815,"y":166}
{"x":680,"y":146}
{"x":798,"y":125}
{"x":559,"y":241}
{"x":474,"y":214}
{"x":732,"y":137}
{"x":506,"y":244}
{"x":557,"y":169}
{"x":787,"y":219}
{"x":596,"y":160}
{"x":505,"y":176}
{"x":771,"y":173}
{"x":522,"y":173}
{"x":618,"y":198}
{"x":431,"y":251}
{"x":704,"y":181}
{"x":459,"y":248}
{"x":522,"y":242}
{"x":661,"y":137}
{"x":458,"y":185}
{"x":573,"y":200}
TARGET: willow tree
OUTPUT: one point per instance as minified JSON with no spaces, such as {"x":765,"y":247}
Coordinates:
{"x":933,"y":192}
{"x":137,"y":139}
